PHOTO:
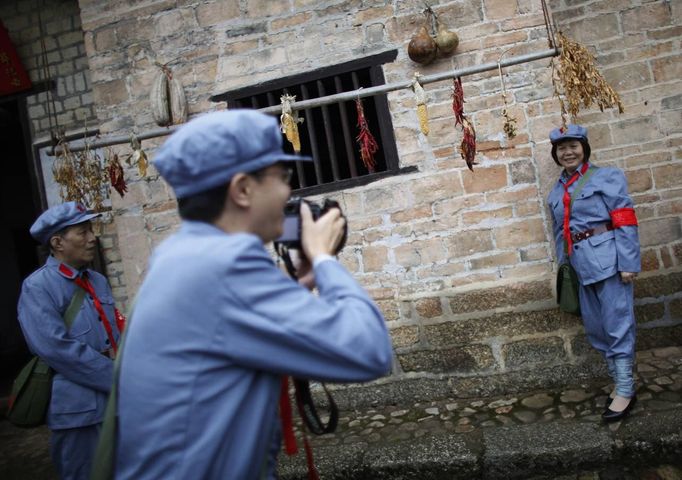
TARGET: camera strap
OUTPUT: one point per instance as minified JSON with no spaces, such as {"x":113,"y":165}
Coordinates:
{"x":308,"y":412}
{"x":283,"y":253}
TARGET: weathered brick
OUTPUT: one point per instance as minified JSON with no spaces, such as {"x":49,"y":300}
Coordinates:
{"x":649,"y":312}
{"x":520,"y":234}
{"x":659,"y":231}
{"x":374,"y":258}
{"x":667,"y":176}
{"x":658,"y":285}
{"x":537,"y":351}
{"x":667,"y":68}
{"x":639,"y":180}
{"x":505,"y":296}
{"x":500,"y":9}
{"x":429,"y":307}
{"x":485,"y":179}
{"x":463,"y":359}
{"x":487,"y":216}
{"x":469,"y":242}
{"x":649,"y":260}
{"x":645,"y":17}
{"x":404,"y":336}
{"x":496,"y":260}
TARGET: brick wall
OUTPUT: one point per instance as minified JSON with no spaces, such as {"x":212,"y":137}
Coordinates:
{"x":460,"y":262}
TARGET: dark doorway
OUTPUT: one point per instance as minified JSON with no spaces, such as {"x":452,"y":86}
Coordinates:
{"x":19,"y":206}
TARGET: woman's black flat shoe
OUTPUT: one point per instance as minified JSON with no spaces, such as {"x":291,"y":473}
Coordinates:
{"x":611,"y":416}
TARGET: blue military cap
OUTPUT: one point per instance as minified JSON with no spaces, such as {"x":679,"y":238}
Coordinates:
{"x":209,"y":150}
{"x":59,"y":217}
{"x":576,"y":132}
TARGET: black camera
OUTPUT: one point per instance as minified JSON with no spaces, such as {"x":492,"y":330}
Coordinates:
{"x":291,"y":231}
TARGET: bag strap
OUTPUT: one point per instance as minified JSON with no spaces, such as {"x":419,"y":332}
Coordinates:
{"x":104,"y":460}
{"x":581,"y":183}
{"x":74,"y":307}
{"x":578,"y":187}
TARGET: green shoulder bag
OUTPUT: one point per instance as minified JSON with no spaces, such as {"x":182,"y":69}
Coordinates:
{"x":567,"y":279}
{"x":31,"y":391}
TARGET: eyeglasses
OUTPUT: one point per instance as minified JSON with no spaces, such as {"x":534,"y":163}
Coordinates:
{"x":285,"y":174}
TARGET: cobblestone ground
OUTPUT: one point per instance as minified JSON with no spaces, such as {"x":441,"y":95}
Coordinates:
{"x":24,"y":453}
{"x":659,"y":387}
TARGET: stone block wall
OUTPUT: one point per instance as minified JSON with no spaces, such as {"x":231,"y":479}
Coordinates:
{"x":460,"y":262}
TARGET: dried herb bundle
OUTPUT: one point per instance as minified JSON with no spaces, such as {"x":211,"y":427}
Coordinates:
{"x":80,"y":177}
{"x":509,"y":124}
{"x":368,"y":145}
{"x":581,"y":81}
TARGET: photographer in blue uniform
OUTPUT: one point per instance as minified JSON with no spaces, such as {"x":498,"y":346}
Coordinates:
{"x":597,"y":233}
{"x":216,"y":324}
{"x":80,"y":356}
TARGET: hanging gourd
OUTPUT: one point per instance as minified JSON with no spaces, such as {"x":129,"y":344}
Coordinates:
{"x":422,"y":48}
{"x":446,"y":40}
{"x":420,"y":100}
{"x":289,"y":122}
{"x":168,"y":102}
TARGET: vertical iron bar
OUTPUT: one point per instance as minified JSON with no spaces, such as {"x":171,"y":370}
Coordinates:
{"x":350,"y":152}
{"x":331,"y":147}
{"x":310,"y":124}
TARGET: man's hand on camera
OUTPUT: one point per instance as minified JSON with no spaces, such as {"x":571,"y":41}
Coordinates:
{"x":321,"y":237}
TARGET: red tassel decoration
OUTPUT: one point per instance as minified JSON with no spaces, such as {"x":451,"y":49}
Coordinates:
{"x":368,"y":145}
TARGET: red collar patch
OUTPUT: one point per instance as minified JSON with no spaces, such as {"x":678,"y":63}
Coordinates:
{"x":66,"y":271}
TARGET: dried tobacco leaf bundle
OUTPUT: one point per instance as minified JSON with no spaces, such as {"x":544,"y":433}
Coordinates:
{"x":80,"y":176}
{"x":581,"y":81}
{"x":368,"y":145}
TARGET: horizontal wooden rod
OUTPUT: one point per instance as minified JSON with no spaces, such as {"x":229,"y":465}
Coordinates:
{"x":335,"y":98}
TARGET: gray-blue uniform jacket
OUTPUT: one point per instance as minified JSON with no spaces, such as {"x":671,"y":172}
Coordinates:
{"x":216,"y":325}
{"x":83,"y":375}
{"x":601,"y":256}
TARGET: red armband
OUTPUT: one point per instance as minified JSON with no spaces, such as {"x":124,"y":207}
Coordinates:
{"x":623,"y":217}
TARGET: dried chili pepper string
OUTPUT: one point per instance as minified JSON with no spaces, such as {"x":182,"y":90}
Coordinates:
{"x":467,"y":148}
{"x":368,"y":145}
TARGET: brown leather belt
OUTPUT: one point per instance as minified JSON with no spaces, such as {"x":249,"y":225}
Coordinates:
{"x":580,"y":236}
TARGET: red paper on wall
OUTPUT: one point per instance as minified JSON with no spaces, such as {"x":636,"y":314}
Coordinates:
{"x":13,"y":77}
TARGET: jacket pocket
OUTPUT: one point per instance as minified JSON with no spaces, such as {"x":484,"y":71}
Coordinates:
{"x":70,"y":397}
{"x":604,"y":249}
{"x":82,"y":324}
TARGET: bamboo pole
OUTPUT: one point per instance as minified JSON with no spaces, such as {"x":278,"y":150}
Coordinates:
{"x":337,"y":97}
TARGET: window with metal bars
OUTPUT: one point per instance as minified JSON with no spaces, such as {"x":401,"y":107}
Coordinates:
{"x":328,"y":133}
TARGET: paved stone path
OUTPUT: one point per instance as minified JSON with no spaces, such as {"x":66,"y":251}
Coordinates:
{"x":24,"y":454}
{"x":659,"y":387}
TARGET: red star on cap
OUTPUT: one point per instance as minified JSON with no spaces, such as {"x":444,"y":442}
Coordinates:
{"x":80,"y":207}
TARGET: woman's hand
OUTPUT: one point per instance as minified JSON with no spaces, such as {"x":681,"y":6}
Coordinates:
{"x":627,"y":277}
